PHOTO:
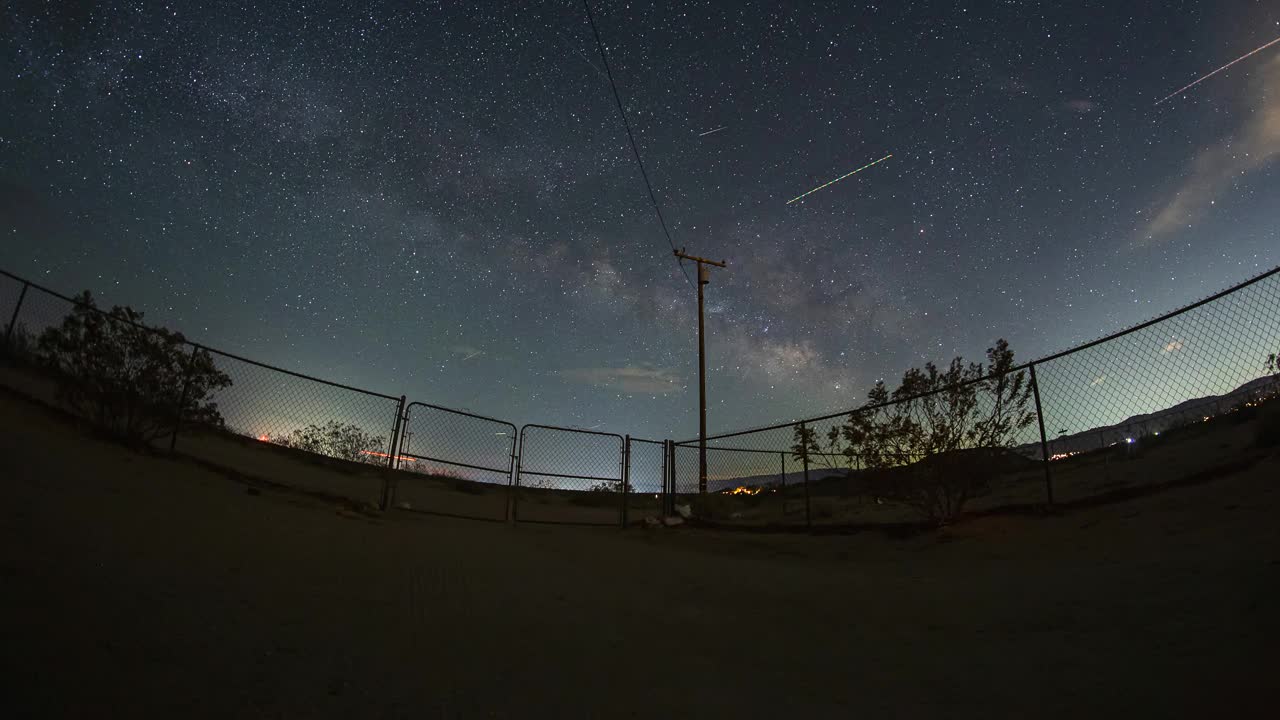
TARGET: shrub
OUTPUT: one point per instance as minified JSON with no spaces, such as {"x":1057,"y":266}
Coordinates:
{"x":344,"y":441}
{"x":133,"y":381}
{"x":939,"y":486}
{"x":943,"y":424}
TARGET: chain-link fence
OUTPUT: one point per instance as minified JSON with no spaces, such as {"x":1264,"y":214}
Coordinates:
{"x":569,"y":476}
{"x":1166,"y":402}
{"x":1168,"y":399}
{"x":153,"y":387}
{"x":646,"y":479}
{"x":460,"y":463}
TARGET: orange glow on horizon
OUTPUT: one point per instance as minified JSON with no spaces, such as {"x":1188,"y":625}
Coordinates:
{"x":385,"y":455}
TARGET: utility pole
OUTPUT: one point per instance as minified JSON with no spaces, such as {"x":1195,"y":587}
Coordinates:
{"x":703,"y":279}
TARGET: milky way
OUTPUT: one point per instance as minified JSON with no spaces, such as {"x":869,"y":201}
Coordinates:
{"x":439,"y":200}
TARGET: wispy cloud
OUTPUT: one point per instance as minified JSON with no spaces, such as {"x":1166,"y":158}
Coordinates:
{"x":1215,"y":168}
{"x":1080,"y":106}
{"x":628,"y":379}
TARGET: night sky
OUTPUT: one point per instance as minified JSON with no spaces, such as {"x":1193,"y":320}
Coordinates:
{"x":439,"y":199}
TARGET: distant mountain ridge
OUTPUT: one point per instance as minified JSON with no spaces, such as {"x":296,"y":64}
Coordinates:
{"x":1133,"y":427}
{"x":1136,"y":426}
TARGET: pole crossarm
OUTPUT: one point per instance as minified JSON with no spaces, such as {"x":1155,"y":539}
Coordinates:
{"x":685,"y":256}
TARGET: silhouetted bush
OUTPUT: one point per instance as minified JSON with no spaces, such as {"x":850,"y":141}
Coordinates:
{"x":344,"y":441}
{"x":936,"y":422}
{"x":130,"y":380}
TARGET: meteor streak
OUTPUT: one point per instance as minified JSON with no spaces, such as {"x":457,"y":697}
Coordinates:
{"x":712,"y":132}
{"x":1215,"y":72}
{"x":831,"y":182}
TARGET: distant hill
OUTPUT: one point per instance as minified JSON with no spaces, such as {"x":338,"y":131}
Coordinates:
{"x":1187,"y":411}
{"x":1136,"y":426}
{"x":1006,"y":461}
{"x":794,"y":477}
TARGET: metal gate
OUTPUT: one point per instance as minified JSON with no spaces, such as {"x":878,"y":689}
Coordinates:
{"x":646,"y":479}
{"x":570,"y":477}
{"x":458,"y":464}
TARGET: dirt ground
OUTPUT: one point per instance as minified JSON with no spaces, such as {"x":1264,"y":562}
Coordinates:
{"x":135,"y":585}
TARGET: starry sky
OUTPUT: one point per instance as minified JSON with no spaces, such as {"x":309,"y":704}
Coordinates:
{"x":438,"y":199}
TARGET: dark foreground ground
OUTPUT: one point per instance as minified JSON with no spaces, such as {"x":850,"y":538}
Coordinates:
{"x":136,"y":586}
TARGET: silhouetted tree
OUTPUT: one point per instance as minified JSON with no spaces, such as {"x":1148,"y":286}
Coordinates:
{"x":345,"y":441}
{"x":127,"y":378}
{"x":935,"y":415}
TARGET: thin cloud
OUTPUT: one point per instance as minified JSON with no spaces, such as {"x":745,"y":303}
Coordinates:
{"x":1216,"y":167}
{"x":1080,"y":106}
{"x":628,"y":379}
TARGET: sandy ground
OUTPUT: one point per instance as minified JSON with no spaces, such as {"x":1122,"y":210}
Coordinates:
{"x":136,"y":586}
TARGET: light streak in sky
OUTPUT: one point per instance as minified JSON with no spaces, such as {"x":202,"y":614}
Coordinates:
{"x":712,"y":132}
{"x":831,"y":182}
{"x":1215,"y":72}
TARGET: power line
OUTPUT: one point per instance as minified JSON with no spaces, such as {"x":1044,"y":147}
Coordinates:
{"x":635,"y":149}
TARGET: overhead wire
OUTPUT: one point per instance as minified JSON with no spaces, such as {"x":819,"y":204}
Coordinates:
{"x":635,"y":149}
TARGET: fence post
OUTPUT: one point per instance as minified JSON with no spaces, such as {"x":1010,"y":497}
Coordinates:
{"x":1044,"y":443}
{"x":671,"y":499}
{"x":182,"y":398}
{"x":511,"y":478}
{"x":515,"y":478}
{"x":394,"y":449}
{"x":662,"y":498}
{"x":13,"y":319}
{"x":626,"y":478}
{"x":804,"y":456}
{"x":388,"y":484}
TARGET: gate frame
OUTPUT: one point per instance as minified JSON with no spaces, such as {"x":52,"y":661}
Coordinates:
{"x":509,"y":471}
{"x":663,"y":476}
{"x":519,"y":470}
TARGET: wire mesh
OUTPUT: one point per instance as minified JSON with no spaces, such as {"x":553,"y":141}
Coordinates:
{"x":40,"y":310}
{"x":1175,"y":382}
{"x":104,"y":366}
{"x":745,"y":485}
{"x":646,"y":476}
{"x":1146,"y":406}
{"x":460,"y":463}
{"x":269,"y":417}
{"x":569,"y":476}
{"x":913,"y":459}
{"x":11,"y":289}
